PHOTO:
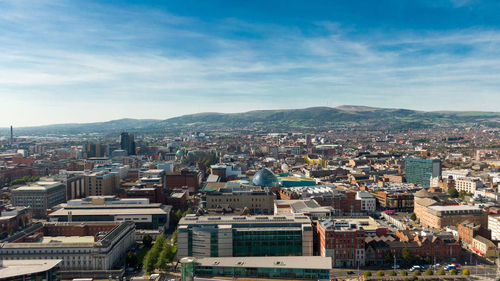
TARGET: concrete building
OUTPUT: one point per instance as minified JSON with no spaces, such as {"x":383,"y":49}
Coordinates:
{"x":74,"y":182}
{"x":145,"y":215}
{"x":35,"y":269}
{"x":257,"y":200}
{"x":368,"y":202}
{"x":40,"y":196}
{"x":494,"y":227}
{"x":89,"y":246}
{"x":343,"y":240}
{"x":13,"y":219}
{"x":420,"y":171}
{"x":308,"y":207}
{"x":101,"y":183}
{"x":238,"y":236}
{"x":468,"y":185}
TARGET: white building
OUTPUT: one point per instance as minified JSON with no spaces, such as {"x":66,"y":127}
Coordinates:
{"x":368,"y":202}
{"x":494,"y":226}
{"x":468,"y":185}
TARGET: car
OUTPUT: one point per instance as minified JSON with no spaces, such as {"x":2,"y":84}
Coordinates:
{"x":415,"y":267}
{"x":350,"y":272}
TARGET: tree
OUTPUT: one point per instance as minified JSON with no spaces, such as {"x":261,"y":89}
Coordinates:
{"x":413,"y":217}
{"x":461,"y":194}
{"x":427,"y":260}
{"x":404,"y":273}
{"x":406,"y":255}
{"x":392,"y":273}
{"x":388,"y":256}
{"x":147,"y":240}
{"x":380,"y":273}
{"x":131,"y":259}
{"x":416,"y":273}
{"x":367,"y":274}
{"x":429,"y":272}
{"x":452,"y":192}
{"x":453,"y":272}
{"x":441,"y":272}
{"x":465,"y":272}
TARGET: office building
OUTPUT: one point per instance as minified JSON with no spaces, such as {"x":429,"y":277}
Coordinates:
{"x":40,"y":196}
{"x":101,"y":183}
{"x":289,"y":268}
{"x":468,"y":185}
{"x":235,"y":236}
{"x":368,"y":202}
{"x":420,"y":171}
{"x":127,"y":143}
{"x":237,"y":197}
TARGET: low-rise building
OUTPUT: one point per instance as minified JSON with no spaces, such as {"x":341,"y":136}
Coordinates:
{"x":36,"y":269}
{"x":343,"y":240}
{"x":310,"y":268}
{"x":368,"y":202}
{"x":468,"y":185}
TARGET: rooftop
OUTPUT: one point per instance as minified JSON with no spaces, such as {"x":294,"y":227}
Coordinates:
{"x":310,"y":262}
{"x":14,"y":268}
{"x":39,"y":186}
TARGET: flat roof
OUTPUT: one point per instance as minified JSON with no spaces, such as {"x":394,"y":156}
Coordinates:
{"x":108,"y":211}
{"x":192,"y":219}
{"x":306,"y":262}
{"x":14,"y":268}
{"x":67,"y":239}
{"x":40,"y":185}
{"x":455,"y":208}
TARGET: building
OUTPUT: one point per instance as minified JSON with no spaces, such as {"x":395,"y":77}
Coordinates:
{"x":343,"y":240}
{"x":468,"y":185}
{"x":83,"y":247}
{"x":433,"y":214}
{"x":494,"y":227}
{"x":36,"y":269}
{"x":127,"y":143}
{"x":145,"y":215}
{"x":290,"y":268}
{"x":184,"y":178}
{"x":420,"y":171}
{"x":13,"y":219}
{"x":74,"y":182}
{"x":39,"y":196}
{"x":397,"y":201}
{"x":95,"y":150}
{"x":368,"y":202}
{"x":484,"y":247}
{"x":101,"y":183}
{"x":238,"y":197}
{"x":238,"y":236}
{"x":308,"y":207}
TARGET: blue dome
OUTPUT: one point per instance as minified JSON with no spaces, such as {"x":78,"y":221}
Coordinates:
{"x":264,"y":177}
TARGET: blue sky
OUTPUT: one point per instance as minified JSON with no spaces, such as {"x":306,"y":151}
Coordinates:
{"x":84,"y":61}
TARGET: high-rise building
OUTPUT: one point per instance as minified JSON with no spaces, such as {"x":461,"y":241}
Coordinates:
{"x":420,"y":171}
{"x":95,"y":150}
{"x":127,"y":143}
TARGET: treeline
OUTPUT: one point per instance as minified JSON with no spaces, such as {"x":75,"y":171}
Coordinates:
{"x":23,"y":180}
{"x":162,"y":252}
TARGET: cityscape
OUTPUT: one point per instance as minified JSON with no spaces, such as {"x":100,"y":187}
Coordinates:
{"x":216,"y":140}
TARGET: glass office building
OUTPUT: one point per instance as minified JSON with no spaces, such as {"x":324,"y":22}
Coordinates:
{"x":420,"y":171}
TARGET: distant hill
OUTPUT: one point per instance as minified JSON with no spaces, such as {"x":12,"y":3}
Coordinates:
{"x":317,"y":118}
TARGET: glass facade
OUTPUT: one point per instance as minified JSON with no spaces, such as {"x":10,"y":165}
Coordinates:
{"x":272,"y":272}
{"x":420,"y":171}
{"x":265,"y":177}
{"x":267,"y":243}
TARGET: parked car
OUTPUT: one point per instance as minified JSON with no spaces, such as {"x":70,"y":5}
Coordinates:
{"x":415,"y":267}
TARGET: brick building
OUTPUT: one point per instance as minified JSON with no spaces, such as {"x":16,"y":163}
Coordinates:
{"x":184,"y":178}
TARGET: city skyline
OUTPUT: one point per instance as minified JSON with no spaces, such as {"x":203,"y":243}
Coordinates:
{"x":79,"y":62}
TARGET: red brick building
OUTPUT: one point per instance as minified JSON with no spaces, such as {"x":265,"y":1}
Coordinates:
{"x":184,"y":178}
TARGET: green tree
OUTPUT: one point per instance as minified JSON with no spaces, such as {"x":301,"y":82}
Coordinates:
{"x":453,"y":272}
{"x":427,"y":260}
{"x":367,"y":273}
{"x":441,"y":272}
{"x":416,"y":273}
{"x":406,"y":255}
{"x":174,"y":237}
{"x":465,"y":272}
{"x":404,"y":273}
{"x":380,"y":273}
{"x":388,"y":257}
{"x":429,"y":272}
{"x":461,"y":194}
{"x":131,"y":259}
{"x":147,"y":240}
{"x":392,"y":273}
{"x":413,"y":217}
{"x":452,"y":192}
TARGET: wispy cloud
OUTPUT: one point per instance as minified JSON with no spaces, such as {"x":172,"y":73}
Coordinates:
{"x":151,"y":61}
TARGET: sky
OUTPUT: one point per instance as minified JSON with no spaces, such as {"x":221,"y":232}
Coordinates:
{"x":88,"y":61}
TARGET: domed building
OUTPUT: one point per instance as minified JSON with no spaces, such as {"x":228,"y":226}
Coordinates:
{"x":265,"y":177}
